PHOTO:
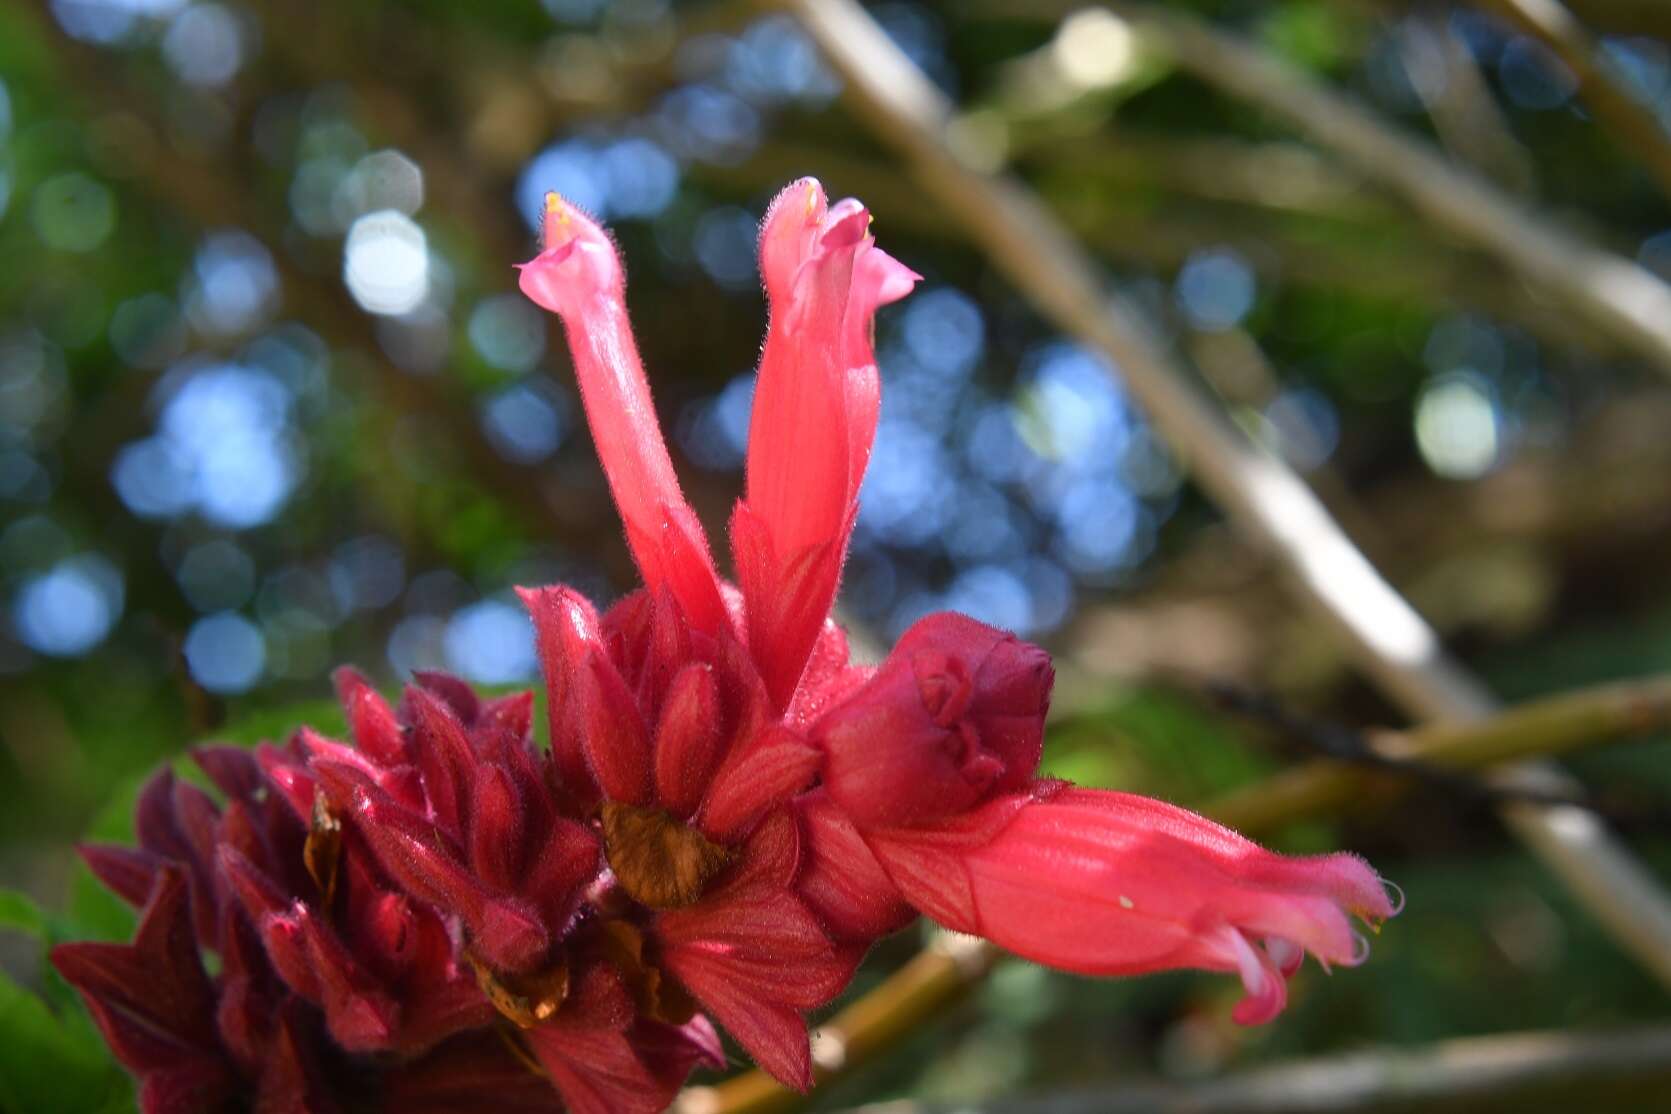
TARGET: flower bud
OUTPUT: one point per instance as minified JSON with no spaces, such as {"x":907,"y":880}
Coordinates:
{"x":953,"y":716}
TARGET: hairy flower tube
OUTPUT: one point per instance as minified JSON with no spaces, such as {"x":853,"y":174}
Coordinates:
{"x":439,"y":912}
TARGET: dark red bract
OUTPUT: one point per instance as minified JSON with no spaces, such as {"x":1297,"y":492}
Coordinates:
{"x":442,"y":915}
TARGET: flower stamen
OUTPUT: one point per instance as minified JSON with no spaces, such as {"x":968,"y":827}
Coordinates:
{"x":555,"y":226}
{"x":322,"y":853}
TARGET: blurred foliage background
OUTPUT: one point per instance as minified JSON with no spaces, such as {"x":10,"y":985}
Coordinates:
{"x":269,"y":401}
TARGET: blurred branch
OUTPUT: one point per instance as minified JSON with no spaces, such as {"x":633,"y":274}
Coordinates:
{"x":1388,"y":261}
{"x":1616,"y":295}
{"x":1490,"y":559}
{"x":1537,"y":729}
{"x":1392,"y":642}
{"x":1459,"y":101}
{"x":1639,"y":132}
{"x":1622,"y":17}
{"x":1511,"y":1072}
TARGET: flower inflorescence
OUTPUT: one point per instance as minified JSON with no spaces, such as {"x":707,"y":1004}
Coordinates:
{"x":729,"y":812}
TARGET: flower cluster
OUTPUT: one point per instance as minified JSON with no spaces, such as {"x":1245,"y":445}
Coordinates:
{"x":729,"y":813}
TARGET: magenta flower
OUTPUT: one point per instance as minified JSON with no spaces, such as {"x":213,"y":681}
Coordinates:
{"x":729,"y":814}
{"x":933,"y":763}
{"x":351,"y":999}
{"x":682,"y":710}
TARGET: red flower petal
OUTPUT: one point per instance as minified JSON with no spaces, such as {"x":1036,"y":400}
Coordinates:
{"x":842,"y":882}
{"x":814,"y":418}
{"x":371,"y":722}
{"x":756,"y":957}
{"x":1105,"y":883}
{"x":578,"y":277}
{"x":566,"y":631}
{"x":688,"y":739}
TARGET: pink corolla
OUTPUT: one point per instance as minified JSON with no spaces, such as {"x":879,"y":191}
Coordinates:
{"x":439,"y":912}
{"x":933,"y":761}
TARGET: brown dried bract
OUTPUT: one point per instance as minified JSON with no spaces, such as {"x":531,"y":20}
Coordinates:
{"x":658,"y":860}
{"x":322,"y":853}
{"x":656,"y":994}
{"x":524,"y":1000}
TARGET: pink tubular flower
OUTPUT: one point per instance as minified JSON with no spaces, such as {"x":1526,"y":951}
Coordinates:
{"x":933,"y":760}
{"x":815,"y":409}
{"x":1104,"y":883}
{"x":578,"y":277}
{"x":439,"y":914}
{"x":682,"y":724}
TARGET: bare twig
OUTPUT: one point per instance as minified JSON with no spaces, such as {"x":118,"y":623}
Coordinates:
{"x":1618,"y":297}
{"x":1459,"y":101}
{"x":1514,"y":1071}
{"x":1390,"y":641}
{"x":1396,"y":265}
{"x":1633,"y":124}
{"x":1538,"y":729}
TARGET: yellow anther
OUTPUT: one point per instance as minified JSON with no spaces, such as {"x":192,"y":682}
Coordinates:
{"x":556,"y":218}
{"x":811,"y":198}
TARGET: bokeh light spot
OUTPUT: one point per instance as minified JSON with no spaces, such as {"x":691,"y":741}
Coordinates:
{"x":225,"y":652}
{"x":1533,"y":77}
{"x":74,"y":212}
{"x":509,"y":331}
{"x":943,"y":330}
{"x":1458,"y":426}
{"x":147,"y":332}
{"x":71,"y":608}
{"x":1215,"y":289}
{"x":385,"y":262}
{"x":216,"y":576}
{"x":725,"y":246}
{"x":491,"y":642}
{"x":228,"y":428}
{"x":526,"y":422}
{"x":204,"y":45}
{"x":153,"y":478}
{"x":234,"y":287}
{"x":714,"y":432}
{"x":367,"y":573}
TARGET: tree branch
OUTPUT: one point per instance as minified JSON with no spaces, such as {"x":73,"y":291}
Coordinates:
{"x":1618,"y":297}
{"x":1514,"y":1071}
{"x":1633,"y":124}
{"x":1538,"y":729}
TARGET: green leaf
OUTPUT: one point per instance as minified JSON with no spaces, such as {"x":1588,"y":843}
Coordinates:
{"x":19,"y":911}
{"x":48,"y":1065}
